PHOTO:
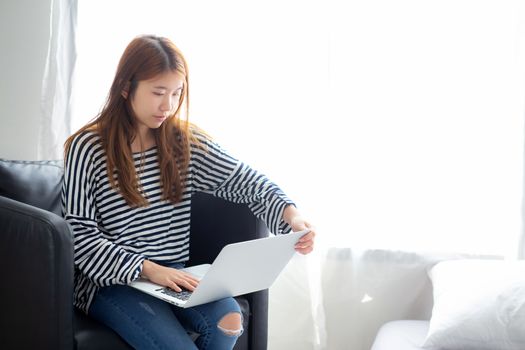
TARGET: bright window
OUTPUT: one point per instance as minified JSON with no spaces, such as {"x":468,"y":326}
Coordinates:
{"x":391,"y":124}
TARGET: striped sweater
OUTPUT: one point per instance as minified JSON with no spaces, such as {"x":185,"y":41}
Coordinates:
{"x":112,"y":239}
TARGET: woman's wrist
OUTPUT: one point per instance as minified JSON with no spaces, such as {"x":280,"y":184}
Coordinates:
{"x":290,"y":214}
{"x":147,"y":268}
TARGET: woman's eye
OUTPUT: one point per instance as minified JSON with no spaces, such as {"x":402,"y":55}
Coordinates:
{"x":158,"y":93}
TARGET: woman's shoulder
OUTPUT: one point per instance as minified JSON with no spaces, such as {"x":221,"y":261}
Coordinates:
{"x":200,"y":140}
{"x":86,"y":141}
{"x":203,"y":144}
{"x":198,"y":134}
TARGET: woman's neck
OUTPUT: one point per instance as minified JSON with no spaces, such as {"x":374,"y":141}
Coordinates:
{"x":143,"y":141}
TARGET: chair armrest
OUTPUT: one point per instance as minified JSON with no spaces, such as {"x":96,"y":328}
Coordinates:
{"x":215,"y":223}
{"x":36,"y":298}
{"x":258,"y":328}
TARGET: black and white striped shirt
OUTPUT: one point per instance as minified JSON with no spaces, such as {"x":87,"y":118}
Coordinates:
{"x":112,"y":239}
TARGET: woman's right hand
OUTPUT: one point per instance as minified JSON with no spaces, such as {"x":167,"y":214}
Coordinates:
{"x":168,"y":277}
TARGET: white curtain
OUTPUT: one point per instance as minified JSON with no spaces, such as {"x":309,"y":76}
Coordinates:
{"x":397,"y":127}
{"x":55,"y":121}
{"x":426,"y":105}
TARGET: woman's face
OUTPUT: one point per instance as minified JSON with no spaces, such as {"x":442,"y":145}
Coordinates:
{"x":156,"y":99}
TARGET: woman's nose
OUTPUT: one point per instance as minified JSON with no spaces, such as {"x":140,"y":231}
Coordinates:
{"x":167,"y":104}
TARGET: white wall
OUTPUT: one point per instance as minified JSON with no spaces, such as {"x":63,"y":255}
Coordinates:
{"x":24,"y":35}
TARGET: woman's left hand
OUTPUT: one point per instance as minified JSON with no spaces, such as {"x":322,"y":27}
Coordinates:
{"x":306,"y":243}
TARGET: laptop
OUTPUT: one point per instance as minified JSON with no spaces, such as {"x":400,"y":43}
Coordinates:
{"x":240,"y":268}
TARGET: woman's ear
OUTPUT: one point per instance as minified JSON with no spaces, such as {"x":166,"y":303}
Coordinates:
{"x":125,"y":90}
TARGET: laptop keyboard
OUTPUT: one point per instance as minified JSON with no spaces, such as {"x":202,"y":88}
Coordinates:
{"x":184,"y":295}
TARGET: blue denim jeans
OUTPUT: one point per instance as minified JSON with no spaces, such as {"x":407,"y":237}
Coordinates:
{"x":146,"y":322}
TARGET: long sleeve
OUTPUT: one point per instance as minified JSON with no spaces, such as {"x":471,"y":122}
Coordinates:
{"x":97,"y":258}
{"x":220,"y":174}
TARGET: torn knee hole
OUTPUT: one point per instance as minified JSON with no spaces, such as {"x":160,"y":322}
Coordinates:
{"x":230,"y":332}
{"x":231,"y":324}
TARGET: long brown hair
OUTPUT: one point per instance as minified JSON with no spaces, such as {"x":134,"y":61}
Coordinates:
{"x":144,"y":58}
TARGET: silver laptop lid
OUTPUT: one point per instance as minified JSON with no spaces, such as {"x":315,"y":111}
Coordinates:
{"x":246,"y":267}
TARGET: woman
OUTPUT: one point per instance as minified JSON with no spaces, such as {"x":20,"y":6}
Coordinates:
{"x":129,"y":177}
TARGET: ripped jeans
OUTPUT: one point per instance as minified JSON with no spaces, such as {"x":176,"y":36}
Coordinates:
{"x":146,"y":322}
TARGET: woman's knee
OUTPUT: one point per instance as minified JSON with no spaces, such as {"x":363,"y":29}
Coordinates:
{"x":231,"y":324}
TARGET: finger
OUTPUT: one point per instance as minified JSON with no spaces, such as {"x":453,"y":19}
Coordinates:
{"x":190,"y":277}
{"x":186,"y":279}
{"x":195,"y":283}
{"x":174,"y":286}
{"x":305,"y":251}
{"x":190,"y":281}
{"x":306,"y":240}
{"x":304,"y":245}
{"x":182,"y":276}
{"x":188,"y":285}
{"x":307,"y":237}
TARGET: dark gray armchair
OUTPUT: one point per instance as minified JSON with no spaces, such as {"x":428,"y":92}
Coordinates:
{"x":36,"y":258}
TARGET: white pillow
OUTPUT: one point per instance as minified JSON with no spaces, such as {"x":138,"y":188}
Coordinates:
{"x":478,"y":305}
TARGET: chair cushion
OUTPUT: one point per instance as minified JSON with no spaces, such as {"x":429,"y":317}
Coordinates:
{"x":92,"y":335}
{"x":401,"y":335}
{"x":37,"y":183}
